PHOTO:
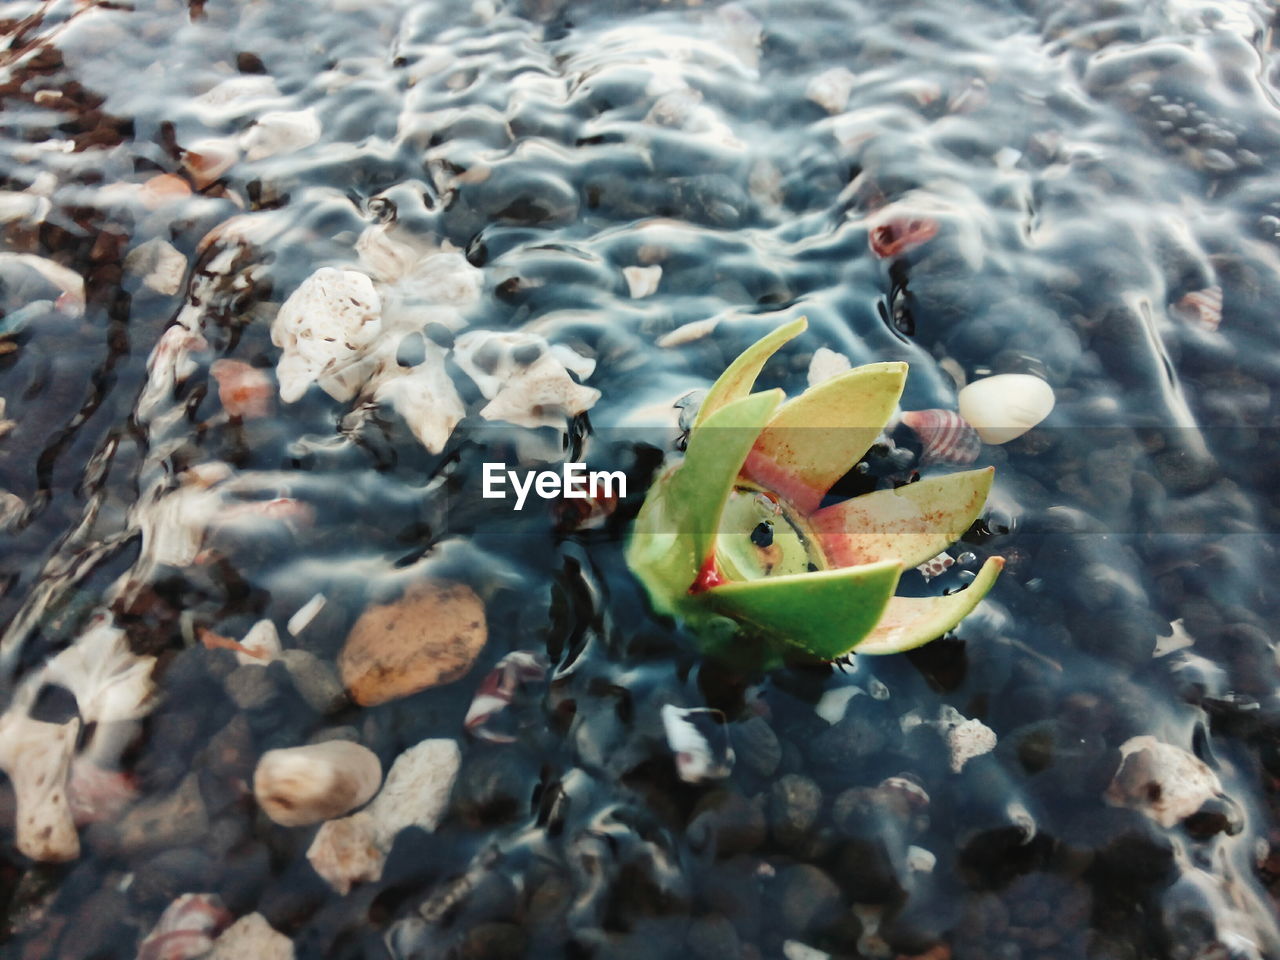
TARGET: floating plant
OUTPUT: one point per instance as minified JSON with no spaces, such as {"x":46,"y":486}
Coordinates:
{"x":735,"y":539}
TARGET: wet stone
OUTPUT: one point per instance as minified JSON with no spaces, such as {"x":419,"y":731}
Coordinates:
{"x":807,"y":897}
{"x":250,"y":687}
{"x":161,"y":879}
{"x":493,"y":787}
{"x":713,"y":937}
{"x":728,"y":823}
{"x":175,"y":820}
{"x":316,"y":681}
{"x":794,"y":804}
{"x":757,"y":746}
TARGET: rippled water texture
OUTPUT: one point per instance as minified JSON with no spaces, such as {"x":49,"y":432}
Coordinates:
{"x":1084,"y":191}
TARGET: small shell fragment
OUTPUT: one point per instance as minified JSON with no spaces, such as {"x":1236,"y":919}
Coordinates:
{"x":252,"y":937}
{"x":936,"y":566}
{"x":944,"y":435}
{"x":826,"y":364}
{"x":305,"y":614}
{"x":642,"y":281}
{"x":1165,"y":782}
{"x":830,"y":89}
{"x":498,"y":689}
{"x":1202,"y":306}
{"x":281,"y":131}
{"x":699,"y":738}
{"x":1004,"y":407}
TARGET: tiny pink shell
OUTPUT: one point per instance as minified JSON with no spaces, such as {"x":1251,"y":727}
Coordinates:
{"x":947,"y":437}
{"x":1203,"y":307}
{"x":498,"y":689}
{"x":186,"y":929}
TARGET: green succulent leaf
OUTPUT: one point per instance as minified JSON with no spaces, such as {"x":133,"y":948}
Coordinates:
{"x":712,"y":460}
{"x":912,"y":523}
{"x":676,"y":528}
{"x":824,"y":613}
{"x":911,"y":622}
{"x":740,"y":376}
{"x":815,"y":438}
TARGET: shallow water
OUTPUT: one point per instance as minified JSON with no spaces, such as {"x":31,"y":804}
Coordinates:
{"x":1092,"y":169}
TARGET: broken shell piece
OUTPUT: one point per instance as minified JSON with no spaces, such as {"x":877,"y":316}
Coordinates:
{"x":207,"y":160}
{"x":699,"y":738}
{"x":1004,"y":407}
{"x":71,"y":300}
{"x":498,"y":689}
{"x":936,"y":566}
{"x":252,"y":937}
{"x":169,"y":366}
{"x":281,"y":131}
{"x":1165,"y":782}
{"x":244,"y":390}
{"x":110,"y":682}
{"x":417,"y":788}
{"x":305,"y":614}
{"x":826,"y":364}
{"x":945,"y":436}
{"x":186,"y":929}
{"x":428,"y":637}
{"x":424,"y":395}
{"x":260,"y":644}
{"x":642,"y":281}
{"x":36,"y":756}
{"x":830,"y":89}
{"x":969,"y":739}
{"x":688,"y":333}
{"x":159,"y":264}
{"x":445,"y":279}
{"x":526,"y":379}
{"x":416,"y":793}
{"x":324,"y":325}
{"x":297,"y":786}
{"x":346,"y":852}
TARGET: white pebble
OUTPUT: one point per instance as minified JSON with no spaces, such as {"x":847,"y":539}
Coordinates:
{"x":642,"y":281}
{"x":830,"y":89}
{"x":1004,"y":407}
{"x":280,"y":131}
{"x":297,"y":786}
{"x":305,"y":614}
{"x":826,"y":364}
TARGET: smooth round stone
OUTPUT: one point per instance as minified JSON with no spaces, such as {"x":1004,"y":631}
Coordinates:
{"x":1004,"y":407}
{"x":297,"y":786}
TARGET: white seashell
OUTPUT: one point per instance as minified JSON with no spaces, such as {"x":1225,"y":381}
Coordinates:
{"x":37,"y":756}
{"x":322,"y":328}
{"x":168,"y":367}
{"x":1202,"y":306}
{"x":252,"y":936}
{"x":969,"y":739}
{"x":1004,"y":407}
{"x":699,"y":738}
{"x":417,"y":789}
{"x":425,"y":397}
{"x":642,"y":281}
{"x":920,"y":860}
{"x":281,"y":131}
{"x":297,"y":786}
{"x":110,"y":682}
{"x":71,"y":302}
{"x":1165,"y":782}
{"x":1178,"y":639}
{"x":160,"y":265}
{"x":526,"y":380}
{"x":305,"y":614}
{"x":832,"y":705}
{"x":445,"y":279}
{"x":830,"y":89}
{"x":23,"y":206}
{"x":826,"y":364}
{"x":346,"y":852}
{"x":263,"y":643}
{"x":688,"y":333}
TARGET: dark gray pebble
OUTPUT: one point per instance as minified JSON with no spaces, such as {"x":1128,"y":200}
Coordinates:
{"x":757,"y":746}
{"x":794,"y":804}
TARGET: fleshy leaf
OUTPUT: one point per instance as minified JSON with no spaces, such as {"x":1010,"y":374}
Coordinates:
{"x":712,"y":461}
{"x":911,"y":524}
{"x":740,"y":376}
{"x":911,"y":622}
{"x":825,"y":613}
{"x":675,"y":529}
{"x":815,"y":438}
